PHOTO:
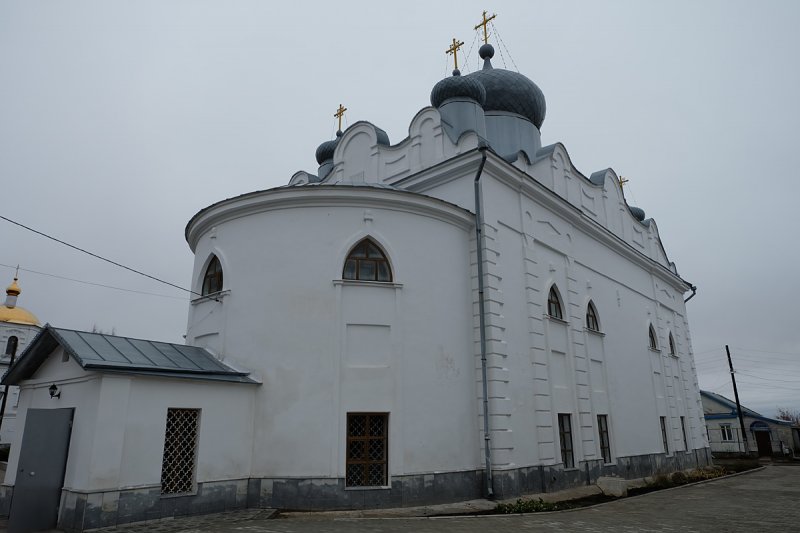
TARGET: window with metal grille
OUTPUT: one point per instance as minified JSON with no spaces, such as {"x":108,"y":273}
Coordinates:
{"x":367,"y":449}
{"x":605,"y":445}
{"x":554,"y":304}
{"x":212,"y":281}
{"x":565,"y":434}
{"x":180,"y":451}
{"x":683,"y":428}
{"x":366,"y":262}
{"x":591,"y":318}
{"x":653,"y":342}
{"x":664,"y":434}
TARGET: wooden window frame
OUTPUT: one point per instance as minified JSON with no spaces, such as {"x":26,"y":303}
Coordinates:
{"x":212,"y":279}
{"x":565,"y":436}
{"x":369,"y":252}
{"x":605,"y":441}
{"x":651,"y":332}
{"x":592,"y":324}
{"x":364,"y":462}
{"x":726,"y":430}
{"x":554,"y":307}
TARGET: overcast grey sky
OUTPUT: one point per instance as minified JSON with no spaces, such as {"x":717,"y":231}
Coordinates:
{"x":120,"y":120}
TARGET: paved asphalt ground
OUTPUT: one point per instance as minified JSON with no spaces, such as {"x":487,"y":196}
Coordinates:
{"x":763,"y":501}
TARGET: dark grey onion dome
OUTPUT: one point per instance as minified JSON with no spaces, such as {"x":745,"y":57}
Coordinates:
{"x":637,"y":213}
{"x":457,"y":86}
{"x":325,"y":150}
{"x":509,"y":91}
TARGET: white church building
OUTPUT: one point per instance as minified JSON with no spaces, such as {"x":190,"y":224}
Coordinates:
{"x":458,"y":315}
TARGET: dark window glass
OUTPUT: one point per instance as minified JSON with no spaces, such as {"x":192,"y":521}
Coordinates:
{"x":605,"y":445}
{"x":591,"y":318}
{"x":212,"y":281}
{"x":367,"y":449}
{"x":653,"y":343}
{"x":671,"y":345}
{"x":366,"y":262}
{"x":565,"y":435}
{"x":683,"y":428}
{"x":554,"y":304}
{"x":11,"y":345}
{"x":664,"y":434}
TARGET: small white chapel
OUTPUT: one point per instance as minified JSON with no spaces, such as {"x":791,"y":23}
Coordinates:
{"x":456,"y":315}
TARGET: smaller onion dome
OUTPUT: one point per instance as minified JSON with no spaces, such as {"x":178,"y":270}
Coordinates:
{"x":457,"y":86}
{"x":637,"y":213}
{"x":326,"y":149}
{"x":13,"y":289}
{"x":10,"y":312}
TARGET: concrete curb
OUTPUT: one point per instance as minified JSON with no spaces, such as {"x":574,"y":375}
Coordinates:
{"x":468,"y":515}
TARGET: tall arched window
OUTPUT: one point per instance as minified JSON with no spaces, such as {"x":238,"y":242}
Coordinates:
{"x":653,"y":341}
{"x":671,"y":345}
{"x":212,"y":281}
{"x":11,"y":345}
{"x":591,"y":318}
{"x":554,"y":304}
{"x":366,"y":262}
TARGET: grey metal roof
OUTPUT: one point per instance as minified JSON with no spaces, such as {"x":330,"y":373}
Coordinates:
{"x":509,"y":91}
{"x":112,"y":353}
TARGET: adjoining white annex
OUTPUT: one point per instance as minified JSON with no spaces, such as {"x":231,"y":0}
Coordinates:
{"x":458,"y":315}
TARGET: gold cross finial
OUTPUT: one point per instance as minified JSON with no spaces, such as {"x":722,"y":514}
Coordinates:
{"x":484,"y":23}
{"x":454,"y":50}
{"x":339,"y":114}
{"x":623,"y":181}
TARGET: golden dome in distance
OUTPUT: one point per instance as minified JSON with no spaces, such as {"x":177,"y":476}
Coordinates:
{"x":9,"y":312}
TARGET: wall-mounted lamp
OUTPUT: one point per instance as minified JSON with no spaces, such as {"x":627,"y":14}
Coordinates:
{"x":54,"y":392}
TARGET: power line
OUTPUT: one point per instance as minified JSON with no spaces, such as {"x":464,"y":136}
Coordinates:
{"x":98,"y":256}
{"x":95,"y":284}
{"x":767,"y":351}
{"x":771,"y":380}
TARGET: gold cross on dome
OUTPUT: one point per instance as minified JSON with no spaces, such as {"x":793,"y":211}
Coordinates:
{"x":454,"y":50}
{"x":623,"y":181}
{"x":339,"y":114}
{"x":484,"y":23}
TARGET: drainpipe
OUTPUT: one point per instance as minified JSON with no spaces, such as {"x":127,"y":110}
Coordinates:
{"x":487,"y":439}
{"x":694,"y":291}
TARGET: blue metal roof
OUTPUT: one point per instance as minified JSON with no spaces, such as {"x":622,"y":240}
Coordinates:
{"x":730,"y":404}
{"x":111,"y":353}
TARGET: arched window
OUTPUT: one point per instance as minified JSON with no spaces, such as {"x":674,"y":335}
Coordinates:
{"x":11,"y":345}
{"x":591,"y":318}
{"x":212,"y":281}
{"x":366,"y":262}
{"x":671,"y":345}
{"x":653,"y":342}
{"x":554,"y":304}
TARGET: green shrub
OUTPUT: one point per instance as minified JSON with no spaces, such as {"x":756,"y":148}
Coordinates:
{"x":527,"y":506}
{"x":679,"y":478}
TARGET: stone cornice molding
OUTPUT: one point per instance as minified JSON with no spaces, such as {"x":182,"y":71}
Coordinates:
{"x":324,"y":196}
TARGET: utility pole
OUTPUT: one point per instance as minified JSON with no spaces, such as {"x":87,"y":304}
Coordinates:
{"x":736,"y":395}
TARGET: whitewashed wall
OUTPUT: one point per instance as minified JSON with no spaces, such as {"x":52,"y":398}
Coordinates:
{"x":325,"y":347}
{"x":119,"y":422}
